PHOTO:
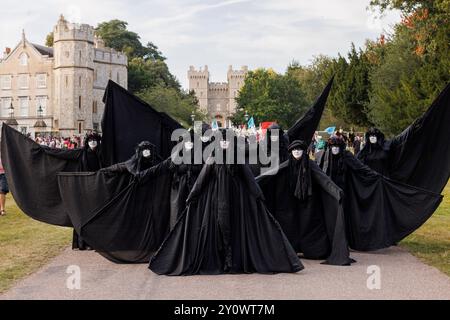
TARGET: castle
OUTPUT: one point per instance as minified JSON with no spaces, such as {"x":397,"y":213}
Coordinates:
{"x":63,"y":85}
{"x":217,"y":99}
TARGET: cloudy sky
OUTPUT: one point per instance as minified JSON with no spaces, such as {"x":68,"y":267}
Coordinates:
{"x":257,"y":33}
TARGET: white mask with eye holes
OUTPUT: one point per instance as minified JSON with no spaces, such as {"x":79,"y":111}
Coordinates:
{"x":146,"y":153}
{"x":273,"y":138}
{"x":188,"y":145}
{"x":297,"y":153}
{"x":373,"y":139}
{"x":204,"y":138}
{"x":224,"y":144}
{"x":335,"y":150}
{"x":92,"y":144}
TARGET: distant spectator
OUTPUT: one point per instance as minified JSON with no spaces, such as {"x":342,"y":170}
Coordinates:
{"x":3,"y":189}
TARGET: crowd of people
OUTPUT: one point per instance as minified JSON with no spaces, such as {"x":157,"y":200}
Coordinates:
{"x":58,"y":142}
{"x":354,"y":141}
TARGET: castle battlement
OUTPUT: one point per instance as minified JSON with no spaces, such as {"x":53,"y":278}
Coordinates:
{"x":65,"y":30}
{"x":217,"y":99}
{"x":218,"y":86}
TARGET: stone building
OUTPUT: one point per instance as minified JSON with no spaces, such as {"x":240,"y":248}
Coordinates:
{"x":217,"y":99}
{"x":63,"y":85}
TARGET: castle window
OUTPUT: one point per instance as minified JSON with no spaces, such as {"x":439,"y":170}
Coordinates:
{"x":80,"y":56}
{"x":79,"y":102}
{"x":23,"y":106}
{"x":23,"y":81}
{"x":79,"y":81}
{"x":94,"y":107}
{"x":41,"y":80}
{"x":5,"y":104}
{"x":23,"y":59}
{"x":80,"y":127}
{"x":42,"y":102}
{"x":67,"y":81}
{"x":118,"y":78}
{"x":5,"y":81}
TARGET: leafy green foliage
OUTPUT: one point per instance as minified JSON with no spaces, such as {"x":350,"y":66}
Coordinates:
{"x":269,"y":96}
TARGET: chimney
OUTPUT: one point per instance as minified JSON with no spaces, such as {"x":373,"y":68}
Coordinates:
{"x":6,"y":52}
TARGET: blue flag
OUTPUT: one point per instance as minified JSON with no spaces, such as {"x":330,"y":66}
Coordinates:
{"x":214,"y":125}
{"x":330,"y":130}
{"x":251,"y":123}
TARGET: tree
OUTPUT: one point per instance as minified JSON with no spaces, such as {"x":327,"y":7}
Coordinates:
{"x":269,"y":96}
{"x":415,"y":65}
{"x":144,"y":74}
{"x":49,"y":40}
{"x":179,"y":105}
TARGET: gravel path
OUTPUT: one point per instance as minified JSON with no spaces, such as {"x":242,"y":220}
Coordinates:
{"x":402,"y":277}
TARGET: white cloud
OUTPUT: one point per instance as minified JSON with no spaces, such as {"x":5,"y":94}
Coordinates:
{"x":257,"y":33}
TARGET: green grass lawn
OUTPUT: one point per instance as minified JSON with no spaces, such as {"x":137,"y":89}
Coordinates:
{"x":431,"y":243}
{"x":26,"y":244}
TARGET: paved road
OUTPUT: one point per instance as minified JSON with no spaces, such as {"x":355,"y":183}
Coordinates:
{"x":402,"y":277}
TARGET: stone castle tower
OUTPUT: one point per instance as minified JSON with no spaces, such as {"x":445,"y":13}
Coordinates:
{"x":217,"y":99}
{"x":73,"y":73}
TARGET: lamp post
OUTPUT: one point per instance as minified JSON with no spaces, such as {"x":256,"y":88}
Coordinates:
{"x":40,"y":123}
{"x":11,"y":121}
{"x":193,"y":118}
{"x":246,"y":116}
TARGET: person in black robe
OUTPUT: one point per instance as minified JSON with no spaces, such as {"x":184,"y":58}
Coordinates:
{"x":185,"y":173}
{"x":418,"y":155}
{"x":379,"y":212}
{"x":275,"y":134}
{"x":122,"y":211}
{"x":375,"y":153}
{"x":307,"y":204}
{"x":226,"y":228}
{"x":92,"y":162}
{"x":303,"y":129}
{"x":31,"y":170}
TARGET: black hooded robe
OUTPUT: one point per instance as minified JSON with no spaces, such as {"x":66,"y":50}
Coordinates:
{"x":418,"y":156}
{"x":31,"y":170}
{"x":315,"y":225}
{"x":379,"y":211}
{"x":125,"y":209}
{"x":225,"y":228}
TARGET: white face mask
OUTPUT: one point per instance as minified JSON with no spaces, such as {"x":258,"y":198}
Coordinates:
{"x":146,"y":153}
{"x":204,"y":138}
{"x":274,"y":138}
{"x":335,"y":150}
{"x":224,"y":144}
{"x":297,"y":153}
{"x":373,"y":139}
{"x":92,"y":144}
{"x":188,"y":145}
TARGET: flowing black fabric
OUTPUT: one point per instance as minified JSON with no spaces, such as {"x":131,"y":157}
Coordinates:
{"x":122,"y":213}
{"x":31,"y":170}
{"x":380,"y":211}
{"x":305,"y":127}
{"x":225,"y":228}
{"x":419,"y":156}
{"x":314,"y":224}
{"x":127,"y":120}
